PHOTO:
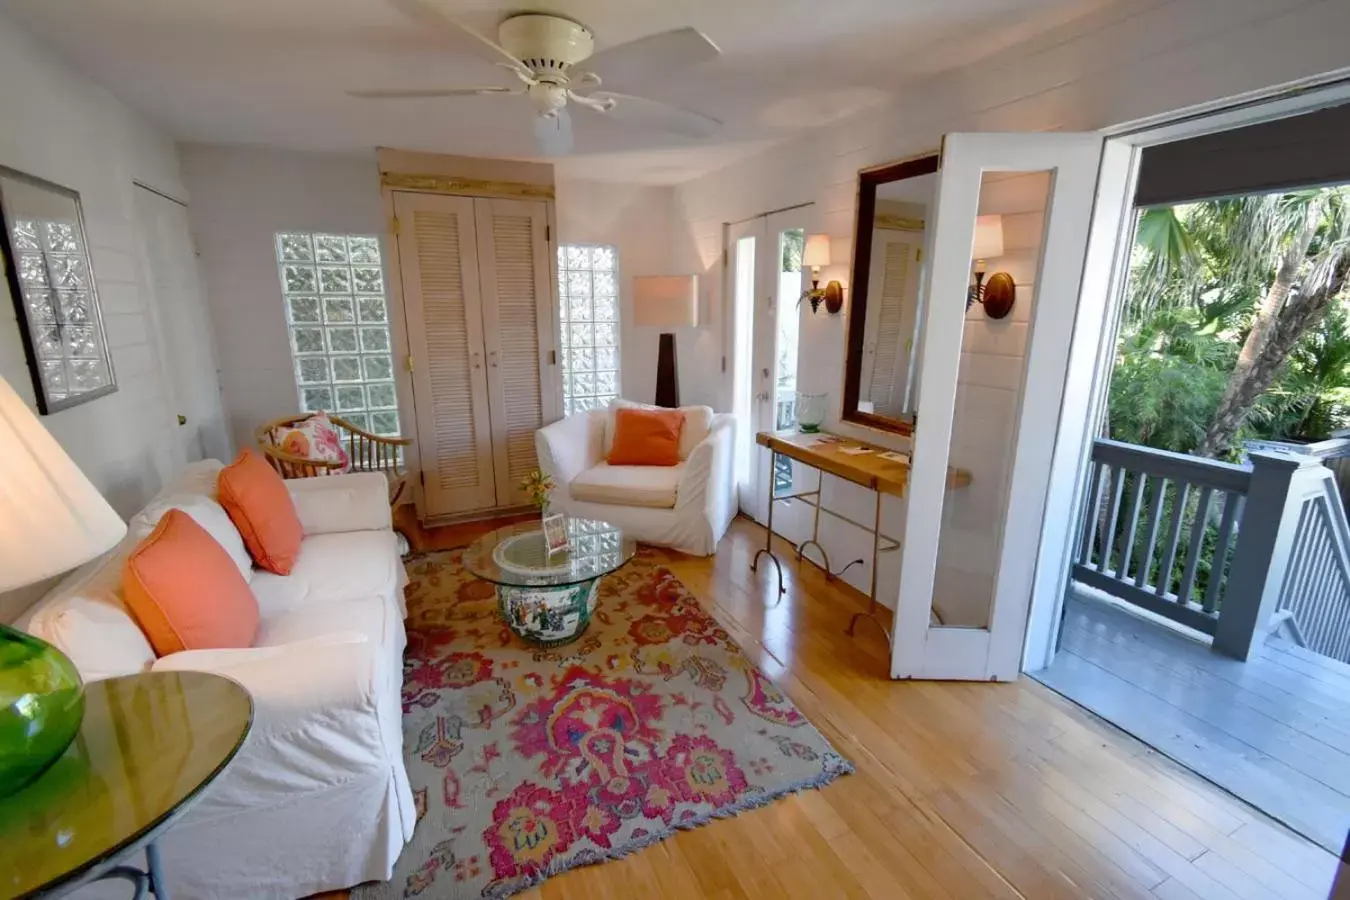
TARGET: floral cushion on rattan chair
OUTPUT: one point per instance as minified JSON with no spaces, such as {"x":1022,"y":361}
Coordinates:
{"x":315,"y":438}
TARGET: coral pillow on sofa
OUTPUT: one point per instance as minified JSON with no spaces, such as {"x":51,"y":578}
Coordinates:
{"x":262,"y":509}
{"x":315,"y":438}
{"x":646,"y":437}
{"x":185,"y":592}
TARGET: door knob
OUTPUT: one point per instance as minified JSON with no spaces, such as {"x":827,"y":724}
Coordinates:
{"x":477,"y":360}
{"x":492,"y":358}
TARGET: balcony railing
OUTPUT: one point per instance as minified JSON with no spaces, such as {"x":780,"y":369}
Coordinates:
{"x":1234,"y":552}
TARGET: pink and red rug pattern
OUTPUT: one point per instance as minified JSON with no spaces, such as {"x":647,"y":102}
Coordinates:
{"x":526,"y":763}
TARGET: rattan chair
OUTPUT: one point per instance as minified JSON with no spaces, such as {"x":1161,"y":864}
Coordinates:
{"x":368,"y":453}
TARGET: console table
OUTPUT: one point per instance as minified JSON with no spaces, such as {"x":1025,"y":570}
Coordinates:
{"x":835,"y":455}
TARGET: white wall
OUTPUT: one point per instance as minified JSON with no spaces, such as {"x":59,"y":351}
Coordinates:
{"x":241,"y":197}
{"x":637,"y":219}
{"x":60,"y":126}
{"x":1137,"y":59}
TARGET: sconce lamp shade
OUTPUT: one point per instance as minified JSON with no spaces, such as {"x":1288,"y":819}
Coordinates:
{"x":988,"y":237}
{"x":817,"y":250}
{"x":51,"y":518}
{"x":665,"y":301}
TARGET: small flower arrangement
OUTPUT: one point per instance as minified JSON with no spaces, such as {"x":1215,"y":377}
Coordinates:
{"x":538,"y":486}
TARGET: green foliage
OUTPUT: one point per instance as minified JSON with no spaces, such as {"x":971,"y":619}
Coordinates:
{"x":1199,"y":273}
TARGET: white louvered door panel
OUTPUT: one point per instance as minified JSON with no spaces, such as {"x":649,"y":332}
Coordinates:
{"x":515,"y":261}
{"x":438,"y":258}
{"x":889,"y":337}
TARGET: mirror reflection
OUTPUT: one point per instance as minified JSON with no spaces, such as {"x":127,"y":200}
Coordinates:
{"x":894,"y":207}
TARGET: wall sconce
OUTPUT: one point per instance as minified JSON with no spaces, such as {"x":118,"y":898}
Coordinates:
{"x":1000,"y":293}
{"x":817,"y":254}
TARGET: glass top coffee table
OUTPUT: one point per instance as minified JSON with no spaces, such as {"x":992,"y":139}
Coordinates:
{"x":547,"y":599}
{"x":147,"y":746}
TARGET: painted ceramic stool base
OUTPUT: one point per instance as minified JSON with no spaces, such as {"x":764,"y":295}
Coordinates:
{"x":548,"y":616}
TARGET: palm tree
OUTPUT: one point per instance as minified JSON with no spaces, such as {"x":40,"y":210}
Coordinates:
{"x":1306,"y":235}
{"x":1279,"y":259}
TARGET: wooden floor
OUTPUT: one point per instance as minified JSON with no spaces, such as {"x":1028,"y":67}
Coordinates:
{"x":1274,"y":730}
{"x":962,"y":791}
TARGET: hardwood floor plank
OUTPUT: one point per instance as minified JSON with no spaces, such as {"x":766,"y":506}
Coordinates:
{"x":962,"y":791}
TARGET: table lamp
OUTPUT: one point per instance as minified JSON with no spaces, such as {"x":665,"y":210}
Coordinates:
{"x":51,"y":520}
{"x":666,"y":301}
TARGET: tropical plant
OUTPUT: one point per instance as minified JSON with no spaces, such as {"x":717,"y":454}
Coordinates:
{"x":1235,"y":324}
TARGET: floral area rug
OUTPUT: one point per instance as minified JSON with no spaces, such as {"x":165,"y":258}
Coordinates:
{"x":526,"y":763}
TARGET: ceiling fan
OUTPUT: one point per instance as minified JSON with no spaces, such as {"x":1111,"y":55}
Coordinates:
{"x":554,"y":59}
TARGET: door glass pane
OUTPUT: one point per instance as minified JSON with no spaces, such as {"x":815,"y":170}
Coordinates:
{"x":743,"y":304}
{"x":1005,"y":259}
{"x":790,"y":245}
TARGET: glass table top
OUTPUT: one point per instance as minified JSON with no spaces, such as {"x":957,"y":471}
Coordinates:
{"x":516,"y":556}
{"x":147,"y":745}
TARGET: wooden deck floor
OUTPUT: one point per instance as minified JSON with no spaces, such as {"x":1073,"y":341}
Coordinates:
{"x":1274,"y":731}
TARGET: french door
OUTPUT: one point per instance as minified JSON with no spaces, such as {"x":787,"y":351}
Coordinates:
{"x":766,"y":283}
{"x":972,"y":552}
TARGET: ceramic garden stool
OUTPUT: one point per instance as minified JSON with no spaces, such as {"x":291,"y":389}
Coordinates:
{"x":547,"y":599}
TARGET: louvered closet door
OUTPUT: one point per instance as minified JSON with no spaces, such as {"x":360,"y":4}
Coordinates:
{"x":894,"y":320}
{"x":438,"y":259}
{"x":515,"y":261}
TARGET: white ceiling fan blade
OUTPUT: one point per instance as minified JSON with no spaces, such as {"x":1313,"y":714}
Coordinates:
{"x":430,"y":14}
{"x":657,"y":54}
{"x":553,"y":133}
{"x":646,"y":113}
{"x":400,"y":94}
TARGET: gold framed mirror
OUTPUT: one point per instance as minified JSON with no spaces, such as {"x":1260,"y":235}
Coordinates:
{"x":886,"y":304}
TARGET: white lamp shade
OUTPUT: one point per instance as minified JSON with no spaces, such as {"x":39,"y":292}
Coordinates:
{"x":665,"y":301}
{"x":817,"y":250}
{"x":51,"y":518}
{"x":988,"y":237}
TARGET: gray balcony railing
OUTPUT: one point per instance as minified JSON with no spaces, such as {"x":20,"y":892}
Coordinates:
{"x":1231,"y":551}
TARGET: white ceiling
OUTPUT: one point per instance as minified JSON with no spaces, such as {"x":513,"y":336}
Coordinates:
{"x":274,"y":72}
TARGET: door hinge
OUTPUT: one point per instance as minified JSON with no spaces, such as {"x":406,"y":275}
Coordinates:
{"x":548,"y":232}
{"x":724,"y":364}
{"x":394,"y":226}
{"x":553,"y":357}
{"x":918,"y":254}
{"x":422,"y":477}
{"x":409,"y":362}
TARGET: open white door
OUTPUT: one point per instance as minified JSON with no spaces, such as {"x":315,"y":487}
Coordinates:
{"x":971,"y":552}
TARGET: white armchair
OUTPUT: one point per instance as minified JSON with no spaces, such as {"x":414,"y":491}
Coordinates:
{"x":686,"y":507}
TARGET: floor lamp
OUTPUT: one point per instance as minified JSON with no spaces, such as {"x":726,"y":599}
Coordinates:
{"x":666,"y":302}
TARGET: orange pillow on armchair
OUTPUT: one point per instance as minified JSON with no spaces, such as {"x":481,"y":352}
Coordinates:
{"x":646,"y":437}
{"x":186,"y":592}
{"x":261,"y":508}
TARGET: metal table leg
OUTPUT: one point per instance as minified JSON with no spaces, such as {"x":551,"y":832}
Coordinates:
{"x":871,"y":613}
{"x":768,"y":534}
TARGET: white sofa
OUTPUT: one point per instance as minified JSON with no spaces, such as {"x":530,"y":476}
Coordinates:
{"x":318,"y":797}
{"x":686,"y":507}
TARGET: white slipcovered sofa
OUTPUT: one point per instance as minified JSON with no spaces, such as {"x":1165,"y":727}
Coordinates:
{"x":686,"y":507}
{"x":318,"y":797}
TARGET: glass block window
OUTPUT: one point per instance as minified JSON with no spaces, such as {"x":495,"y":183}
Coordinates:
{"x":333,"y":287}
{"x":588,"y":297}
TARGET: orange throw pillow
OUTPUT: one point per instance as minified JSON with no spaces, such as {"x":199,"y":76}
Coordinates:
{"x":186,"y":592}
{"x":646,"y":437}
{"x":262,"y":509}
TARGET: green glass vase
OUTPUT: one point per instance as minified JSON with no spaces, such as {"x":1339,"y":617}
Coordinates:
{"x":41,"y":704}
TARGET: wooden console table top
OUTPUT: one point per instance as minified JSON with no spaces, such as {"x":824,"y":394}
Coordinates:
{"x":866,"y":469}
